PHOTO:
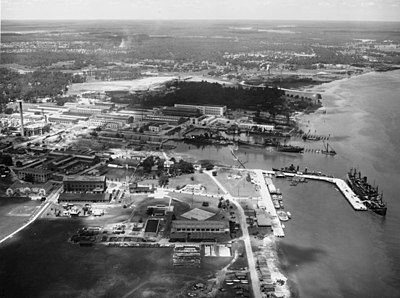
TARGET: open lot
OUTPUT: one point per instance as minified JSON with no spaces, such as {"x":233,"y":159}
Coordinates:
{"x":236,"y":183}
{"x":23,"y":210}
{"x":195,"y":178}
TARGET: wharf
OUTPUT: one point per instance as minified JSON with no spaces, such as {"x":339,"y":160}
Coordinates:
{"x":269,"y":205}
{"x":350,"y":196}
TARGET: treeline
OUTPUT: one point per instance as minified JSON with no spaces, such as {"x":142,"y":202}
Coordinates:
{"x":31,"y":86}
{"x":215,"y":94}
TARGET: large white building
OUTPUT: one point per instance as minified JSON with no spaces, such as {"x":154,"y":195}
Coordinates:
{"x":205,"y":109}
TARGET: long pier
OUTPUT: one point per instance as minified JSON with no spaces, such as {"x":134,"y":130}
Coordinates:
{"x":269,"y":205}
{"x":347,"y":192}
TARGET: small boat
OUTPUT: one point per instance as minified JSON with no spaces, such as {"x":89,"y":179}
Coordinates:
{"x":276,"y":204}
{"x":282,"y":215}
{"x":328,"y":151}
{"x":308,"y":137}
{"x":289,"y":214}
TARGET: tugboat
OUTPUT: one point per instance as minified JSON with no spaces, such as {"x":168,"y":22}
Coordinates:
{"x":367,"y":193}
{"x":328,"y":151}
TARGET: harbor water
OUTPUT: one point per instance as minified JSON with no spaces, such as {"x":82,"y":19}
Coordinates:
{"x":329,"y":249}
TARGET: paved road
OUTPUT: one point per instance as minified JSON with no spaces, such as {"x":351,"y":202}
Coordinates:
{"x":246,"y":237}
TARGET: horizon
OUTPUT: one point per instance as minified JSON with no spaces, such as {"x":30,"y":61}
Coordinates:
{"x":211,"y":20}
{"x":285,"y":10}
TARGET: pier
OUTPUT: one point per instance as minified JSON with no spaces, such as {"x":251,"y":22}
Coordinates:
{"x":237,"y":158}
{"x":269,"y":205}
{"x":346,"y":191}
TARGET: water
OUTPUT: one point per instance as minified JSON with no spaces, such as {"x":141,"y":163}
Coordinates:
{"x":329,"y":249}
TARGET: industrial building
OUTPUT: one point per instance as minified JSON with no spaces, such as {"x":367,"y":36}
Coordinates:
{"x":171,"y":120}
{"x":205,"y":109}
{"x":110,"y":121}
{"x":36,"y":129}
{"x":34,"y":175}
{"x":188,"y":226}
{"x":63,"y":119}
{"x":83,"y":184}
{"x":158,"y":127}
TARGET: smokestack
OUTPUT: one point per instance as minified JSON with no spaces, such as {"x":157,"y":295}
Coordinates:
{"x":22,"y":118}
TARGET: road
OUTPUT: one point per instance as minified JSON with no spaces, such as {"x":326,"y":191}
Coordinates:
{"x":246,"y":237}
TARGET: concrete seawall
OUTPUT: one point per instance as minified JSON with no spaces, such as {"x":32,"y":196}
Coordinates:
{"x":346,"y":191}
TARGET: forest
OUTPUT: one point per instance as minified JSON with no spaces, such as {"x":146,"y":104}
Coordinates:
{"x":265,"y":99}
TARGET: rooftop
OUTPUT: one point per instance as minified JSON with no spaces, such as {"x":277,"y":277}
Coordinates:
{"x":197,"y":214}
{"x":84,"y":178}
{"x":198,"y":223}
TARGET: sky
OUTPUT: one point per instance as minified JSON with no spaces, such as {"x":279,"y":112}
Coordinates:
{"x":357,"y":10}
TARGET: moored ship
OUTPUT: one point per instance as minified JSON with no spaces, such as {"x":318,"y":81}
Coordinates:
{"x":367,"y":193}
{"x":290,"y":149}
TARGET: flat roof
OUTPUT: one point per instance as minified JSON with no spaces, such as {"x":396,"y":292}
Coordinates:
{"x":199,"y":105}
{"x":84,"y":178}
{"x":199,"y":224}
{"x":198,"y":214}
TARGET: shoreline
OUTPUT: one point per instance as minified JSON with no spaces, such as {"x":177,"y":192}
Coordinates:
{"x":337,"y":105}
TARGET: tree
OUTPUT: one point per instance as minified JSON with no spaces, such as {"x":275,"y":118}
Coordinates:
{"x":8,"y":111}
{"x":7,"y":160}
{"x":150,"y":211}
{"x":163,"y":180}
{"x":147,"y":164}
{"x":248,"y":178}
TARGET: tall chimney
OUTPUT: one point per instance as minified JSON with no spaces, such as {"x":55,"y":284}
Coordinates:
{"x":22,"y":118}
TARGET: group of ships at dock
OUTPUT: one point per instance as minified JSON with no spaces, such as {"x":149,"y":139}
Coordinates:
{"x":368,"y":194}
{"x":278,"y":204}
{"x":277,"y":140}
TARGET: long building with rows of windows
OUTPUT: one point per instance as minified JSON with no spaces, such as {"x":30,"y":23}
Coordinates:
{"x":93,"y":184}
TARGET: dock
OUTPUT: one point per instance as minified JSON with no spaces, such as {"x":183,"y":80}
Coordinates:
{"x":346,"y":191}
{"x":269,"y":205}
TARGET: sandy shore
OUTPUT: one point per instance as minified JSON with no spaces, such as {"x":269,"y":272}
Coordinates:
{"x":271,"y":253}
